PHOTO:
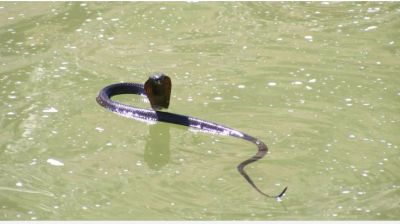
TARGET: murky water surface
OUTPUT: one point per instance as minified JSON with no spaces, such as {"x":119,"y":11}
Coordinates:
{"x":318,"y":82}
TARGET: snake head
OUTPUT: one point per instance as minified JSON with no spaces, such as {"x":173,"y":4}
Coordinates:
{"x":158,"y":90}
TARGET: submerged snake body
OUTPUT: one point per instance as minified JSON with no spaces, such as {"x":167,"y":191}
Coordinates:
{"x":104,"y":99}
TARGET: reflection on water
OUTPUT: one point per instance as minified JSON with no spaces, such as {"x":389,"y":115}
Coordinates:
{"x":318,"y":82}
{"x":157,"y":149}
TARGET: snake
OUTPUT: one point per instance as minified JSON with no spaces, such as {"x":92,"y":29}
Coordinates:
{"x":158,"y":90}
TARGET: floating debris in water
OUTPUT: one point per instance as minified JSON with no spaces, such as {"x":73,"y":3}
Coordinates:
{"x":370,"y":28}
{"x":309,"y":38}
{"x":54,"y":162}
{"x":297,"y":83}
{"x":50,"y":110}
{"x":365,"y":173}
{"x":271,"y":84}
{"x":99,"y":129}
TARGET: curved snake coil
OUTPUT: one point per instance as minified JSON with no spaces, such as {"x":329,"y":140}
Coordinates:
{"x":104,"y":99}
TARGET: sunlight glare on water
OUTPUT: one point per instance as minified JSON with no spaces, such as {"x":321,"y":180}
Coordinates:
{"x":318,"y":82}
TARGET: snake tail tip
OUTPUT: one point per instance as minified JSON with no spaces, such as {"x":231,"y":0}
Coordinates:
{"x":283,"y":193}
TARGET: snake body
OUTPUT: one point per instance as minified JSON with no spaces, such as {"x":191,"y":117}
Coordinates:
{"x":104,"y":99}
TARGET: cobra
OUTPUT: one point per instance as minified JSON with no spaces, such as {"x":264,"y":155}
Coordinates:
{"x":158,"y":90}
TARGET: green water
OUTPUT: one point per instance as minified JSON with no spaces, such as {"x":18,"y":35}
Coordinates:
{"x":317,"y":82}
